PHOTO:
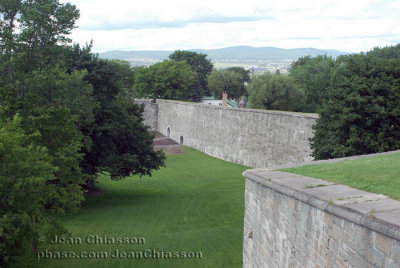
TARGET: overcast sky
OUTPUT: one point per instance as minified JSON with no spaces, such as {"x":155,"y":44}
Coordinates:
{"x":347,"y":25}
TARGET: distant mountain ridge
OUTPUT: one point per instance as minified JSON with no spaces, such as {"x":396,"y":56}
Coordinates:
{"x":228,"y":54}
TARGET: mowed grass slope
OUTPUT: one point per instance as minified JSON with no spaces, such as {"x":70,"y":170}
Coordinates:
{"x":195,"y":204}
{"x":377,"y":174}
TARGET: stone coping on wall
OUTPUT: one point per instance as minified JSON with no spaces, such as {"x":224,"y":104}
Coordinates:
{"x":144,"y":100}
{"x":313,"y":162}
{"x":296,"y":114}
{"x":376,"y":212}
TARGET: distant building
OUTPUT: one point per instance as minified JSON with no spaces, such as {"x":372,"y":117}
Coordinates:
{"x":243,"y":102}
{"x":224,"y":99}
{"x":214,"y":101}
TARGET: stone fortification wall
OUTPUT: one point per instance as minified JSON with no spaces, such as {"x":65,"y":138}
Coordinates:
{"x":296,"y":221}
{"x":256,"y":138}
{"x":150,"y":114}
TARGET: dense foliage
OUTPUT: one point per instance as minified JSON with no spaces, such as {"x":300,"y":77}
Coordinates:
{"x":120,"y":142}
{"x":244,"y":76}
{"x":231,"y":80}
{"x":165,"y":80}
{"x":274,"y":92}
{"x":313,"y":76}
{"x":362,"y":111}
{"x":25,"y":175}
{"x":75,"y":118}
{"x":40,"y":150}
{"x":201,"y":67}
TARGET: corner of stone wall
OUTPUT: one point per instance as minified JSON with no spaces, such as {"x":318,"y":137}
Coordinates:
{"x":296,"y":220}
{"x":150,"y":113}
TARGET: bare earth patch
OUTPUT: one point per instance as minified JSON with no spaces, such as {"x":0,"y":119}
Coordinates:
{"x":174,"y":149}
{"x":161,"y":142}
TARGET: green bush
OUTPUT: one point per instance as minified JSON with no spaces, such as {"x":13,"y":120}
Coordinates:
{"x":362,"y":112}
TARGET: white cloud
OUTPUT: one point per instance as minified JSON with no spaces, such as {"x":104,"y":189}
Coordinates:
{"x":337,"y":24}
{"x":395,"y":4}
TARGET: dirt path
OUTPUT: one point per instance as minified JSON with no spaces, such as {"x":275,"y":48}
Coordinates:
{"x":164,"y":143}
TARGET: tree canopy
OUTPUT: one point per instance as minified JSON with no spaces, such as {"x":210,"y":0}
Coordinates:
{"x":231,"y":80}
{"x":64,"y":116}
{"x":362,"y":112}
{"x":313,"y":76}
{"x":165,"y":80}
{"x":244,"y":76}
{"x":201,"y":67}
{"x":274,"y":92}
{"x":120,"y":142}
{"x":33,"y":85}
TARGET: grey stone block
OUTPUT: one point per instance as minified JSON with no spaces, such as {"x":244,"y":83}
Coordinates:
{"x":355,"y":260}
{"x":395,"y":252}
{"x":392,"y":217}
{"x":375,"y":258}
{"x":376,"y":206}
{"x":337,"y":192}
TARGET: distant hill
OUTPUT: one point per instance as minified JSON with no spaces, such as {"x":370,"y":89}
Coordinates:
{"x":238,"y":54}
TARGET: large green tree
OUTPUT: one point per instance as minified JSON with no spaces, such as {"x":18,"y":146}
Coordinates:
{"x":165,"y":80}
{"x":49,"y":102}
{"x":362,"y":111}
{"x":201,"y":67}
{"x":274,"y":92}
{"x":32,"y":32}
{"x":120,"y":143}
{"x":72,"y":108}
{"x":231,"y":80}
{"x":26,"y":177}
{"x":244,"y":76}
{"x":313,"y":76}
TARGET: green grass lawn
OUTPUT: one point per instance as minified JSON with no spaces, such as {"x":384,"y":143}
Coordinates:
{"x":195,"y":204}
{"x":377,"y":174}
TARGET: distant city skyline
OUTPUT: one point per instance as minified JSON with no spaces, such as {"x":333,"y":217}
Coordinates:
{"x":350,"y":26}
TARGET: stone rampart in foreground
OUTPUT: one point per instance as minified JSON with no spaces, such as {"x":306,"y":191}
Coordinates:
{"x":296,"y":221}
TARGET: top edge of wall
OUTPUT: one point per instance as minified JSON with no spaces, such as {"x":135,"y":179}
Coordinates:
{"x":376,"y":212}
{"x":295,"y":114}
{"x":145,"y":100}
{"x":327,"y":161}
